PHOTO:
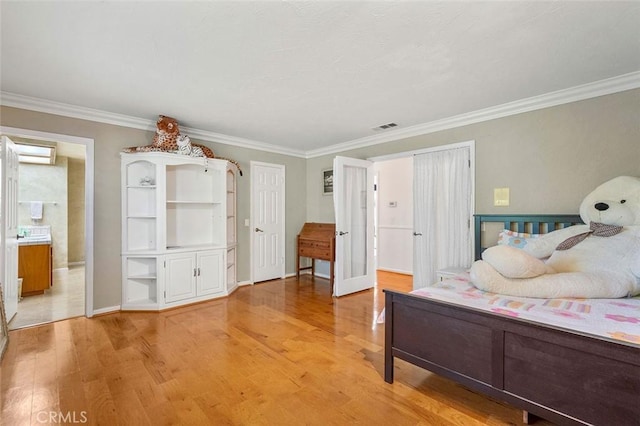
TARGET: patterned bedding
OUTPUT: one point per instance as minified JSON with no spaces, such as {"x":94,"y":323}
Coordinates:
{"x":613,"y":319}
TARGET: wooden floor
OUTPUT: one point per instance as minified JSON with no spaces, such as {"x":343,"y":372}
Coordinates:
{"x":278,"y":353}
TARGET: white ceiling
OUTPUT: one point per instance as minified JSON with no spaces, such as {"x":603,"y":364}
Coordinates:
{"x":304,"y":76}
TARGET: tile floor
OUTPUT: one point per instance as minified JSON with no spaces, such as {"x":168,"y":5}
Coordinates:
{"x":64,"y":300}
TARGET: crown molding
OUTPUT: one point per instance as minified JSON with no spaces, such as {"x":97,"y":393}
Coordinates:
{"x":586,"y":91}
{"x":205,"y":135}
{"x":66,"y":110}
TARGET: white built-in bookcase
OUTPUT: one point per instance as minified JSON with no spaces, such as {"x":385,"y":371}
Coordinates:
{"x":178,"y":230}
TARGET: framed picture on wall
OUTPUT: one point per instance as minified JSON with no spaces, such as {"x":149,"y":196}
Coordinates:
{"x":327,"y":182}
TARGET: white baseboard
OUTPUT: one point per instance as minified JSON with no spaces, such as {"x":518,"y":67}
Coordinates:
{"x":308,"y":272}
{"x":397,"y":271}
{"x":108,"y":310}
{"x":322,"y":275}
{"x":241,"y":283}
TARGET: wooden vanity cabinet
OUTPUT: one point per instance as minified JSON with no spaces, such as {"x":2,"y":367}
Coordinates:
{"x":35,"y":267}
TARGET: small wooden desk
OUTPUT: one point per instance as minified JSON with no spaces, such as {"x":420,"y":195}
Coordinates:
{"x":317,"y":241}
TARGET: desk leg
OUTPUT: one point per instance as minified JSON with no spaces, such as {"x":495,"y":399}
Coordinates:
{"x":313,"y":268}
{"x":298,"y":267}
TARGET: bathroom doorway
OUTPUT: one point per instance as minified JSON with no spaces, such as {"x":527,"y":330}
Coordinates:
{"x":51,"y":264}
{"x":68,"y":218}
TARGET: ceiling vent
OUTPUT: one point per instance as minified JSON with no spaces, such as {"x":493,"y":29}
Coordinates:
{"x":385,"y":127}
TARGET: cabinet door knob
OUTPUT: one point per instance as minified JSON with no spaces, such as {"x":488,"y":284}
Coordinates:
{"x":343,"y":233}
{"x":259,"y":230}
{"x":194,"y":272}
{"x":417,"y":234}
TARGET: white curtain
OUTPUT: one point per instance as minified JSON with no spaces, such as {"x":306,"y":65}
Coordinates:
{"x":442,"y":213}
{"x":355,"y":243}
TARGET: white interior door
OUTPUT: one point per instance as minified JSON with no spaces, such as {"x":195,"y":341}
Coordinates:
{"x":443,"y":212}
{"x":9,"y":211}
{"x":267,"y":221}
{"x":353,"y":203}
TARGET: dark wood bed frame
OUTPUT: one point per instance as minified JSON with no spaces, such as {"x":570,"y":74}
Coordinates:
{"x":560,"y":375}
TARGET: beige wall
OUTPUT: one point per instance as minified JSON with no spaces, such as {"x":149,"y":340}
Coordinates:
{"x":550,"y":158}
{"x":47,"y":184}
{"x":109,"y":140}
{"x":75,"y":179}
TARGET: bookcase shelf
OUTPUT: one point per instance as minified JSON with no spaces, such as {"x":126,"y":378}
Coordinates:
{"x":178,"y":221}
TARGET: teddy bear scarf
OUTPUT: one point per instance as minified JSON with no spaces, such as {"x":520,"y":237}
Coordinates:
{"x":597,"y":229}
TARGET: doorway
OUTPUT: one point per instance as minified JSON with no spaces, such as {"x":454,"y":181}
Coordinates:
{"x":59,"y":187}
{"x":401,"y":221}
{"x":394,"y":215}
{"x":67,"y":212}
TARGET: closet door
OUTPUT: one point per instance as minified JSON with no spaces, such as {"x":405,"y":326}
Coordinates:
{"x":443,"y":209}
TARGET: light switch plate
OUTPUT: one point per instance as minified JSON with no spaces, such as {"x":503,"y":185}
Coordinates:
{"x":501,"y":197}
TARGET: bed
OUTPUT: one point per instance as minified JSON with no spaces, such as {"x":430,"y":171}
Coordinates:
{"x":497,"y":346}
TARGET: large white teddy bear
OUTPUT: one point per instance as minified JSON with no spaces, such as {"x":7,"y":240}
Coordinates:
{"x":598,"y":260}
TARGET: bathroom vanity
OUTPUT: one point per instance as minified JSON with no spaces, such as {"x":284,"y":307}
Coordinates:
{"x":35,"y":268}
{"x":35,"y":260}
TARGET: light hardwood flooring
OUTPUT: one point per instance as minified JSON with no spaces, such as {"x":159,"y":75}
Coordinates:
{"x":65,"y":299}
{"x":278,"y":353}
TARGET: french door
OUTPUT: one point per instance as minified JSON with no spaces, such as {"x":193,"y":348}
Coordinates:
{"x":443,"y":212}
{"x":353,"y":203}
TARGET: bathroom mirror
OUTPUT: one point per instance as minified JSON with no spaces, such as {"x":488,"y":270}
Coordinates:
{"x":4,"y":329}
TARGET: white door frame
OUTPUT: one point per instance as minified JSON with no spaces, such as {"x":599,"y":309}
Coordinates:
{"x":471,"y":144}
{"x":252,"y":201}
{"x":88,"y":196}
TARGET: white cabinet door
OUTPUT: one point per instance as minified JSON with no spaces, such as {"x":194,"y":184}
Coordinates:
{"x":210,"y":272}
{"x":180,"y":277}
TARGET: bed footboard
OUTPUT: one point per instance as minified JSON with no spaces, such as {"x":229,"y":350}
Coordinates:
{"x":564,"y":377}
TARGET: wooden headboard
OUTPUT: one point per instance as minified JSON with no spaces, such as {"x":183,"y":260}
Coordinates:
{"x":531,"y":223}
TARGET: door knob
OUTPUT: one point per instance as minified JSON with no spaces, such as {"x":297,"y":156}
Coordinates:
{"x":259,"y":230}
{"x":343,"y":233}
{"x":417,"y":234}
